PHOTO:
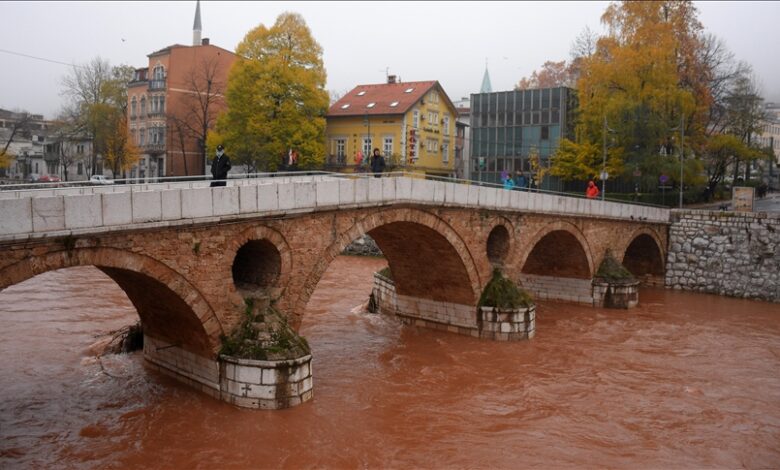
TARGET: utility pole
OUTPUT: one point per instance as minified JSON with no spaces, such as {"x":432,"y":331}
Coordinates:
{"x":682,"y":155}
{"x":604,"y":163}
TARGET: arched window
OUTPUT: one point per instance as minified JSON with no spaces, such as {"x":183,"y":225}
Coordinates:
{"x":143,"y":106}
{"x":158,"y":73}
{"x":132,"y":107}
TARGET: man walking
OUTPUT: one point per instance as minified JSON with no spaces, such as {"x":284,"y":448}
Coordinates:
{"x":220,"y":167}
{"x":377,"y":164}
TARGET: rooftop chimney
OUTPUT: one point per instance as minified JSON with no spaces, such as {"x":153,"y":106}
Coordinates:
{"x":391,"y":79}
{"x":204,"y":42}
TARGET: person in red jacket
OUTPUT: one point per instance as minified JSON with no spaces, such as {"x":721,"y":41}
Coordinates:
{"x":593,"y":191}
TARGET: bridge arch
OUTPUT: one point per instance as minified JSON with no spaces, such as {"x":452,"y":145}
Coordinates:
{"x":557,"y":249}
{"x":261,"y":258}
{"x":643,"y":254}
{"x":415,"y":242}
{"x":170,"y":307}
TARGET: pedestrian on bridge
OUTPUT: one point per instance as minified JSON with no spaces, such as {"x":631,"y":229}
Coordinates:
{"x":220,"y":167}
{"x":593,"y":191}
{"x":377,"y":163}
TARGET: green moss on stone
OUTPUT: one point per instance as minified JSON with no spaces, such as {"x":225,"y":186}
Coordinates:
{"x":612,"y":271}
{"x":500,"y":292}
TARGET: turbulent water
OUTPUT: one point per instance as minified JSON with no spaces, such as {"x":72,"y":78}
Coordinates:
{"x":683,"y":381}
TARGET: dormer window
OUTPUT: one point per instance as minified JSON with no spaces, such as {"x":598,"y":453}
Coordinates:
{"x":345,"y":106}
{"x":370,"y":105}
{"x":362,"y":93}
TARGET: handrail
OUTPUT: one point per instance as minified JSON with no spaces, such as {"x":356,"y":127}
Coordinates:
{"x":300,"y":173}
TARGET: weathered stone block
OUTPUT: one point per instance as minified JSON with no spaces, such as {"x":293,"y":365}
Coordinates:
{"x":147,"y":206}
{"x":81,"y":211}
{"x":117,"y":209}
{"x":48,"y":214}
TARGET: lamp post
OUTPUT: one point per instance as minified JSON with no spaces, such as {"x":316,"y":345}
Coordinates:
{"x":367,"y":122}
{"x":682,"y":155}
{"x":604,"y":175}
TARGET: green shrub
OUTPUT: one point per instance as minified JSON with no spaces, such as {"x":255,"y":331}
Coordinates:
{"x":500,"y":292}
{"x":245,"y":342}
{"x":611,"y":270}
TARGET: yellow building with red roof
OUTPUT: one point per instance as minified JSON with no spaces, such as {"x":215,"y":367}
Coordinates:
{"x":411,"y":123}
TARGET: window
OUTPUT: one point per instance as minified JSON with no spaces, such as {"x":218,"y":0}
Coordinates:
{"x":366,"y":147}
{"x":80,"y":149}
{"x":341,"y":150}
{"x":345,"y":106}
{"x":545,"y":132}
{"x":434,"y":97}
{"x":80,"y":169}
{"x":143,"y":107}
{"x":362,"y":93}
{"x":162,"y":104}
{"x":387,"y":148}
{"x":415,"y":119}
{"x":394,"y":104}
{"x":445,"y":152}
{"x":409,"y":90}
{"x":432,"y":145}
{"x":159,"y":73}
{"x":370,"y":105}
{"x":132,"y":107}
{"x":142,"y":137}
{"x":446,"y":125}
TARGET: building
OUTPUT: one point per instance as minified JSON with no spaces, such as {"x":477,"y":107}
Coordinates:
{"x":462,"y":139}
{"x":508,"y":127}
{"x":412,"y":123}
{"x":22,"y":137}
{"x":173,"y":101}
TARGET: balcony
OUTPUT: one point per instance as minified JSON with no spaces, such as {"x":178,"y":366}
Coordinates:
{"x":158,"y":84}
{"x":153,"y":149}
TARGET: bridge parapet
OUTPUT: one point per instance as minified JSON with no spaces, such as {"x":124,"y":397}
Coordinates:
{"x":66,"y":212}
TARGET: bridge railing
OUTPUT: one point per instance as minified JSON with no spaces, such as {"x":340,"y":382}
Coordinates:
{"x":123,"y":207}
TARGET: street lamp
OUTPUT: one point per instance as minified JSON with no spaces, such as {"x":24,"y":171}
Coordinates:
{"x":682,"y":155}
{"x":604,"y":175}
{"x":367,"y":122}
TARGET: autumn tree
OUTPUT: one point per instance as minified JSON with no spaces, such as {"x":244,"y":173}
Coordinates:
{"x":97,"y":95}
{"x":121,"y":152}
{"x":551,"y":75}
{"x":18,"y":128}
{"x":276,"y":97}
{"x":631,"y":89}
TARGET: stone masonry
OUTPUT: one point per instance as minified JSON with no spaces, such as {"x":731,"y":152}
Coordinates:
{"x":726,"y":253}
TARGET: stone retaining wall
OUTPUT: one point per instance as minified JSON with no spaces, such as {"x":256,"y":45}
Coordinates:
{"x":558,"y":288}
{"x":242,"y":382}
{"x":726,"y":253}
{"x":461,"y":319}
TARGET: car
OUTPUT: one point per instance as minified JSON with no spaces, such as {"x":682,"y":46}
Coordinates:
{"x":100,"y":179}
{"x":49,"y":179}
{"x":33,"y":177}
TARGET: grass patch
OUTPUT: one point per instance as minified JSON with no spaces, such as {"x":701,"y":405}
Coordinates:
{"x":500,"y":292}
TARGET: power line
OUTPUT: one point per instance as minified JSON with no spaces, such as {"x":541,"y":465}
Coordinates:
{"x":41,"y":58}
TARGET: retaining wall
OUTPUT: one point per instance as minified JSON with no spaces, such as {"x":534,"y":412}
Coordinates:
{"x":727,"y":253}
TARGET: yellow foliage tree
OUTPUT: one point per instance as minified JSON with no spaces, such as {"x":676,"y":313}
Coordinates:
{"x":276,"y":98}
{"x":121,"y":152}
{"x":634,"y":89}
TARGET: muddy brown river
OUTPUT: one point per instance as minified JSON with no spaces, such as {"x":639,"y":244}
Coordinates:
{"x":683,"y":381}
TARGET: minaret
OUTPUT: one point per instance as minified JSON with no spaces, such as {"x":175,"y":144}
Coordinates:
{"x":196,"y":27}
{"x":486,"y":88}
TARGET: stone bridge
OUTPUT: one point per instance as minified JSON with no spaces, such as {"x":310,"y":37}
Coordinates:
{"x":186,"y":254}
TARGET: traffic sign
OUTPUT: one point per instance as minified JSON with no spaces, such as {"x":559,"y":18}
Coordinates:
{"x":604,"y":175}
{"x":663,"y":179}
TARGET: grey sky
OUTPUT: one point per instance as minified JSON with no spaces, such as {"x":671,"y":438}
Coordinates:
{"x":447,"y":41}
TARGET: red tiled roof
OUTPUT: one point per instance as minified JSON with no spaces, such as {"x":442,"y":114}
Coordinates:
{"x":383,"y":95}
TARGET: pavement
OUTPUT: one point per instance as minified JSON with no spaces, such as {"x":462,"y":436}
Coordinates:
{"x":769,"y":203}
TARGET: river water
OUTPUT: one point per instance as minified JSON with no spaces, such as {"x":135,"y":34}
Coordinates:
{"x":683,"y":381}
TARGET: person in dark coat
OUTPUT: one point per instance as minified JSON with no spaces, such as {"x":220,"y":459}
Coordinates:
{"x":377,"y":163}
{"x":220,"y":167}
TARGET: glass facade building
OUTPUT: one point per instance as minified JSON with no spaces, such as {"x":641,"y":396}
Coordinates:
{"x":508,"y":126}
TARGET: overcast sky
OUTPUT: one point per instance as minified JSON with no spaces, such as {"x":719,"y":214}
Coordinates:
{"x":445,"y":41}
